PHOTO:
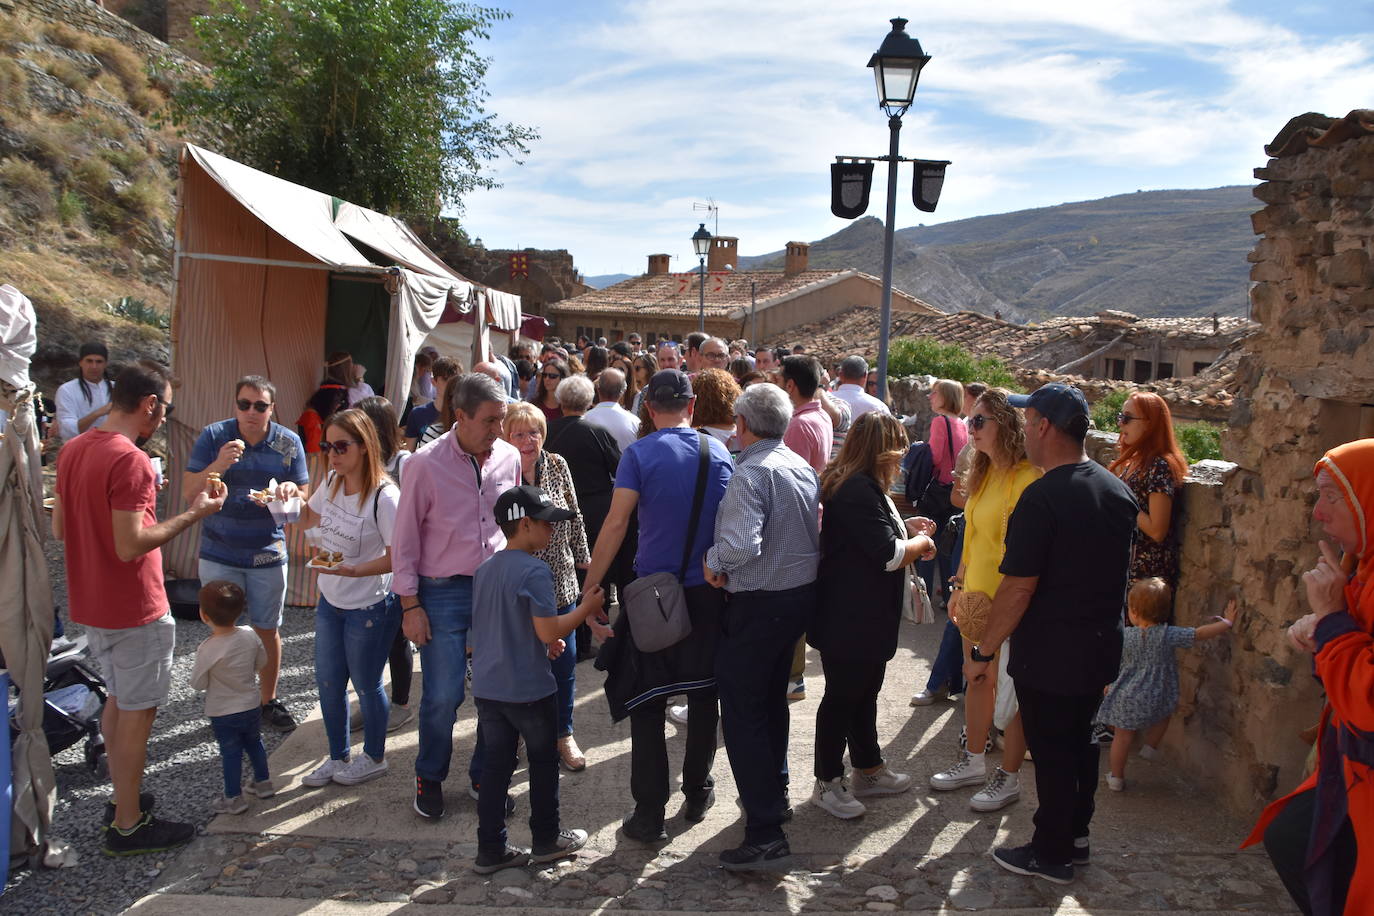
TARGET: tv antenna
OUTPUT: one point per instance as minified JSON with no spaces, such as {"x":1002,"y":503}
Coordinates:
{"x":714,"y":211}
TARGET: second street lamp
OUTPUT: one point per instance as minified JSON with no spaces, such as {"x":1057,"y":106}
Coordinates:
{"x":701,"y":244}
{"x":896,"y":69}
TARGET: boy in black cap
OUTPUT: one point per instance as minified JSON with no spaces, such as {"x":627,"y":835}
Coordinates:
{"x":515,"y":631}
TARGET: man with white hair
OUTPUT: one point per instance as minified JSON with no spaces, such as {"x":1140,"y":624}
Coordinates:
{"x":669,"y":355}
{"x":715,"y":354}
{"x":765,"y":555}
{"x":853,"y":376}
{"x":608,"y":414}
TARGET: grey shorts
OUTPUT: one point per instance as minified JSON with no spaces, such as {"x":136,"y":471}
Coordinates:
{"x":136,"y":662}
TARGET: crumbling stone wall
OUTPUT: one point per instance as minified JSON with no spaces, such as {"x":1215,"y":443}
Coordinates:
{"x":1302,"y":386}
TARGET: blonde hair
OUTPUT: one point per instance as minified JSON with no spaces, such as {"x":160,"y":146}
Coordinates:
{"x":951,"y":395}
{"x":358,"y":426}
{"x":524,"y":415}
{"x":872,"y":436}
{"x":1010,"y":442}
{"x":1150,"y":599}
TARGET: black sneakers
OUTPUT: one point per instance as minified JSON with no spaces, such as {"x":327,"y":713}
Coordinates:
{"x":145,"y":803}
{"x":1082,"y":855}
{"x":148,"y":835}
{"x":1023,"y":861}
{"x":511,"y":857}
{"x":276,"y":715}
{"x":429,"y":798}
{"x":694,"y":810}
{"x":774,"y":856}
{"x":644,"y":829}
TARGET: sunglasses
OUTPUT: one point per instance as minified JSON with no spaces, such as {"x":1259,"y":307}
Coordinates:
{"x":1123,"y":418}
{"x":342,"y":446}
{"x":553,"y":375}
{"x":259,"y":406}
{"x":977,"y":421}
{"x":166,"y":407}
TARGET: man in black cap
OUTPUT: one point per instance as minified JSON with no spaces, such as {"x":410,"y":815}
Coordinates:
{"x":85,"y":400}
{"x":1066,"y":569}
{"x":659,"y":475}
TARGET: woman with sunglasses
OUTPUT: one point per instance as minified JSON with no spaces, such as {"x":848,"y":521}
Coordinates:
{"x":866,"y":556}
{"x":998,"y":475}
{"x":552,"y":372}
{"x":1153,"y":466}
{"x":644,"y":366}
{"x":353,"y":515}
{"x":524,"y":428}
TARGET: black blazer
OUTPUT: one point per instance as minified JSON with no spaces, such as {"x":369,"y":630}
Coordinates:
{"x":593,"y":458}
{"x":860,"y":603}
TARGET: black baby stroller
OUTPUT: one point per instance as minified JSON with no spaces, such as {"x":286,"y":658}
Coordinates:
{"x":73,"y":697}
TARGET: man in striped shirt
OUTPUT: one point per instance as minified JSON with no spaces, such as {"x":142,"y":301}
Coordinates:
{"x":766,"y":552}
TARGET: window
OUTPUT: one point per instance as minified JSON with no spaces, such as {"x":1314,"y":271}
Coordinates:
{"x":1199,"y":367}
{"x":1116,"y":369}
{"x":1166,"y":370}
{"x":1141,"y":373}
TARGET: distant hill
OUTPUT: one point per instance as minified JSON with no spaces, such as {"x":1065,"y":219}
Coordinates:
{"x":601,"y":281}
{"x":1154,"y":253}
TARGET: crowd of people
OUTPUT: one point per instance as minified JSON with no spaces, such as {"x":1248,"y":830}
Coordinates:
{"x":493,"y":518}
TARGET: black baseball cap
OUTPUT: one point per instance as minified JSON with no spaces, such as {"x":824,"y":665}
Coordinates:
{"x":1060,"y":404}
{"x":93,"y":348}
{"x":526,"y":501}
{"x":669,"y":387}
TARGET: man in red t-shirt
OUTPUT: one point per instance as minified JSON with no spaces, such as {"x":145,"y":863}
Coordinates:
{"x":104,"y":514}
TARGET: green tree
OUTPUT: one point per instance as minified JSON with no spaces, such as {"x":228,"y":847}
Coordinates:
{"x":924,"y":356}
{"x":376,"y":101}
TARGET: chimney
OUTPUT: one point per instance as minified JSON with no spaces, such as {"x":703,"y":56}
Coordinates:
{"x":724,"y":253}
{"x":798,"y":253}
{"x":658,"y":264}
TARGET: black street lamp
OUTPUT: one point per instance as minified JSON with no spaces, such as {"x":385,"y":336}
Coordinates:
{"x":896,"y":69}
{"x":701,"y":243}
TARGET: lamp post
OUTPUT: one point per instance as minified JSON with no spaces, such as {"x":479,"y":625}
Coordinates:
{"x":896,"y":68}
{"x":701,"y":243}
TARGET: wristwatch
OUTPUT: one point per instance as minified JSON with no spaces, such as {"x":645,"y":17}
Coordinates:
{"x":978,"y":656}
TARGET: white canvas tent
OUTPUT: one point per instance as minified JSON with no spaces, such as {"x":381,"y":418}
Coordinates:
{"x":256,"y":261}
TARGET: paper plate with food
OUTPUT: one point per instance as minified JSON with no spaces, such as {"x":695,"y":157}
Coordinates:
{"x":325,"y":558}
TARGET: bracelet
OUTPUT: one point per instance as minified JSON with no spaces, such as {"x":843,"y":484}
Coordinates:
{"x":413,"y":607}
{"x":1223,"y":620}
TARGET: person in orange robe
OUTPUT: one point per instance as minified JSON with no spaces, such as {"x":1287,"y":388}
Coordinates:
{"x":1319,"y":834}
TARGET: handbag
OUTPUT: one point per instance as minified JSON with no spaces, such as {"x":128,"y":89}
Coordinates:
{"x":949,"y":535}
{"x":934,"y":502}
{"x":656,"y":604}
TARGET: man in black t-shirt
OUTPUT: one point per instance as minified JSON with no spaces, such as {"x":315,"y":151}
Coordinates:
{"x":1066,"y":569}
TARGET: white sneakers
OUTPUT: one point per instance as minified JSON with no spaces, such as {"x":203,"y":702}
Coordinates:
{"x":225,"y":805}
{"x":968,"y":771}
{"x":359,"y":770}
{"x":323,"y":774}
{"x":834,"y":797}
{"x":1001,"y":790}
{"x":678,"y":713}
{"x":1116,"y":783}
{"x":880,"y":782}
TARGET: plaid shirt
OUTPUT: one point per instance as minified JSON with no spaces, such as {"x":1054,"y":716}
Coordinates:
{"x":767,"y":529}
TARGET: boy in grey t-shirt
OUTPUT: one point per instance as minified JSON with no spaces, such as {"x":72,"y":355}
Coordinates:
{"x":515,"y":631}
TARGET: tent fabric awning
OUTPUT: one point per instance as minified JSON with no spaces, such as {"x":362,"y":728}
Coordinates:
{"x":394,"y":239}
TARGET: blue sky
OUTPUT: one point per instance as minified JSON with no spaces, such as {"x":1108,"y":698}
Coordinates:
{"x":646,"y":107}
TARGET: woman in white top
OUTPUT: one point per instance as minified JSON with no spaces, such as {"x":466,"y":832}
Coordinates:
{"x":356,"y":618}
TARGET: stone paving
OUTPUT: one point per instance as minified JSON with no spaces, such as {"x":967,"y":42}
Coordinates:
{"x":1156,"y":847}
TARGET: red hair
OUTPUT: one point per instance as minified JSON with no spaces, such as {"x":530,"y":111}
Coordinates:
{"x":1157,"y":442}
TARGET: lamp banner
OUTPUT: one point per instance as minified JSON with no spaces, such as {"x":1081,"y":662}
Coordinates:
{"x":850,"y":183}
{"x":519,"y":266}
{"x":925,"y":188}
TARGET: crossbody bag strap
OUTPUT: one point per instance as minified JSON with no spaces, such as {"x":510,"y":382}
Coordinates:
{"x":699,"y":497}
{"x":949,"y":440}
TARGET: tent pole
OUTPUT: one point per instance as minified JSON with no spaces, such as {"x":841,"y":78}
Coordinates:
{"x":272,"y":262}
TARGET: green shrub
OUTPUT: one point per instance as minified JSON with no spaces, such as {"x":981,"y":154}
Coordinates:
{"x":924,"y":356}
{"x":138,"y":311}
{"x":71,"y":208}
{"x":1199,"y":441}
{"x":1104,"y":411}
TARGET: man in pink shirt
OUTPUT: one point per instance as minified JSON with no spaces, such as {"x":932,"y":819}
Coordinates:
{"x":445,"y":528}
{"x":810,"y":433}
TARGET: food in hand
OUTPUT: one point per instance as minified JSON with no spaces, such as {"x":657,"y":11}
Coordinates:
{"x":327,"y":558}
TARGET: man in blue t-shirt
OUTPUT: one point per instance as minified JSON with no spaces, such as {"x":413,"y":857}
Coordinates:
{"x":657,"y":476}
{"x":243,"y":544}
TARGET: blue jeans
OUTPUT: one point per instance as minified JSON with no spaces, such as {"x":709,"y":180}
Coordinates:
{"x":753,"y":663}
{"x":443,"y":664}
{"x":948,"y":668}
{"x":352,"y":645}
{"x":238,"y":733}
{"x":501,"y":724}
{"x":565,"y":675}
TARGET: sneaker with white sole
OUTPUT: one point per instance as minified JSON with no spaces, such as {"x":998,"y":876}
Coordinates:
{"x":1116,"y":783}
{"x":323,"y":774}
{"x":678,"y":713}
{"x":359,"y":770}
{"x":398,"y":716}
{"x":262,"y":788}
{"x":796,"y":690}
{"x":1148,"y":753}
{"x":834,"y":797}
{"x":1002,"y":789}
{"x":967,"y":771}
{"x":566,"y":843}
{"x":225,"y":805}
{"x":880,"y":782}
{"x":928,"y":697}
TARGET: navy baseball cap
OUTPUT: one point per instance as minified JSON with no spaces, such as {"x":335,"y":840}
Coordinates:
{"x":526,"y":501}
{"x":1060,"y":404}
{"x":669,"y":387}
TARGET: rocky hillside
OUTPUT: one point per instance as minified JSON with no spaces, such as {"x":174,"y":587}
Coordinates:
{"x":86,"y":178}
{"x":1153,"y":253}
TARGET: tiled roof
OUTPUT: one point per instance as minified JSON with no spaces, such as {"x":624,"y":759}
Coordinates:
{"x":658,"y":294}
{"x":1317,"y":130}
